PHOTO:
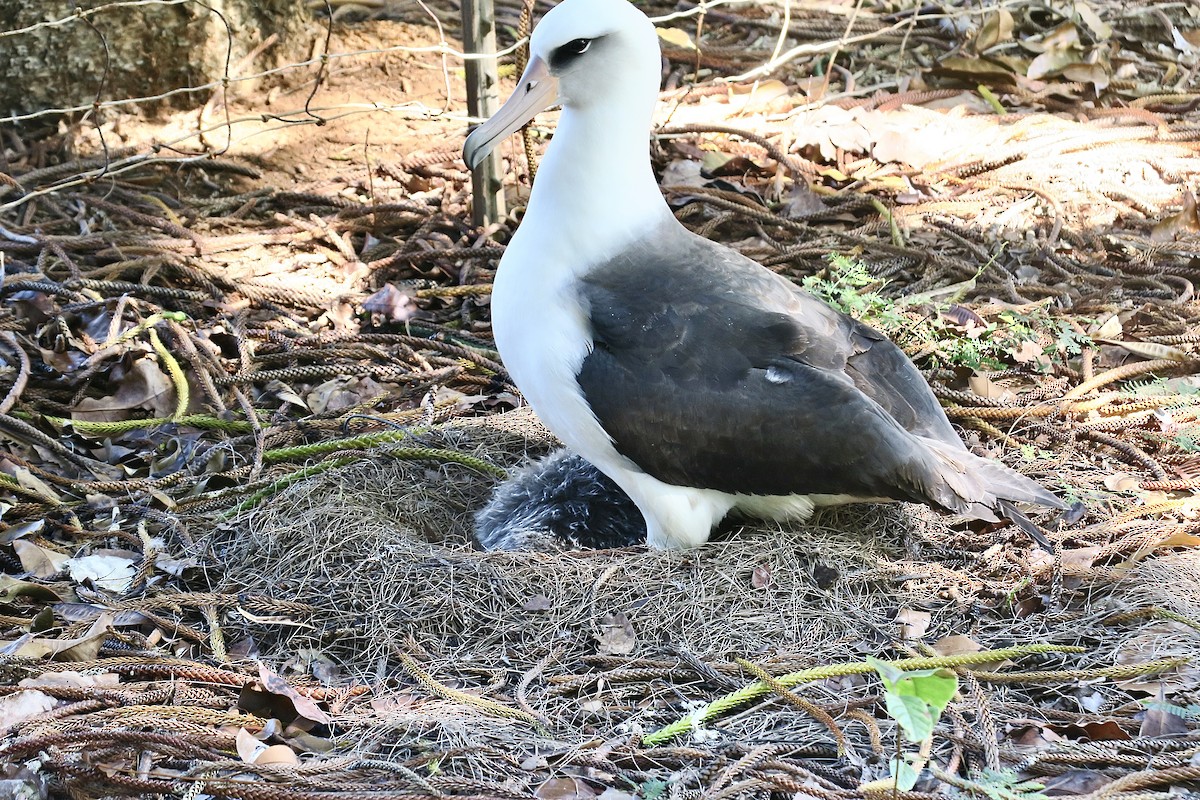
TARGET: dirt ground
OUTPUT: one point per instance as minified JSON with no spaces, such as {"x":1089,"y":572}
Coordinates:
{"x":252,"y":403}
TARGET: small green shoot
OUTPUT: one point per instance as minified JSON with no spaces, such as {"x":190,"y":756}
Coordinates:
{"x":915,"y":700}
{"x":1005,"y":785}
{"x":653,"y":789}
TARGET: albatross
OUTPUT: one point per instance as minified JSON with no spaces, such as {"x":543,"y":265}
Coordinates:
{"x":694,"y":378}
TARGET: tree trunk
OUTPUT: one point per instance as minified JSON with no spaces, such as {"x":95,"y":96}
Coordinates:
{"x":148,"y":50}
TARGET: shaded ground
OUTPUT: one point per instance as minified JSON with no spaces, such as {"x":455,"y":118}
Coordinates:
{"x":252,"y":402}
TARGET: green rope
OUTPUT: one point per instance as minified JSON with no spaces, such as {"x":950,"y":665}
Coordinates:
{"x":754,"y":690}
{"x":93,"y":428}
{"x":182,"y":393}
{"x":431,"y":454}
{"x":360,"y":442}
{"x":287,"y":480}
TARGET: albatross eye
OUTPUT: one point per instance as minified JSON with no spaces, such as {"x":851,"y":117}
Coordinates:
{"x":570,"y":51}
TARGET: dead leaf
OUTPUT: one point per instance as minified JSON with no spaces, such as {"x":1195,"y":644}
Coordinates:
{"x":248,"y":746}
{"x":112,"y":573}
{"x":539,"y":602}
{"x":12,"y":588}
{"x":1151,"y":350}
{"x":10,"y":535}
{"x":997,"y":27}
{"x":342,"y":392}
{"x":85,"y":648}
{"x":616,"y":637}
{"x":32,"y":482}
{"x":956,"y":644}
{"x":568,"y":788}
{"x":20,"y":706}
{"x":1077,"y":782}
{"x":985,"y":387}
{"x":1101,"y":29}
{"x":390,"y":301}
{"x":802,"y":202}
{"x":1080,"y":558}
{"x":1122,"y":482}
{"x":1187,"y":221}
{"x":1106,"y":731}
{"x":1030,"y":352}
{"x":1088,"y":72}
{"x":40,"y":561}
{"x":1180,"y":539}
{"x":1160,"y":719}
{"x":74,"y":680}
{"x":305,"y":706}
{"x":761,"y":97}
{"x":144,"y":388}
{"x":676,"y":38}
{"x":913,"y":624}
{"x":616,"y":794}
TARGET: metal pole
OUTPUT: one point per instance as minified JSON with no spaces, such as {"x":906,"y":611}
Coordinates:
{"x":483,"y":98}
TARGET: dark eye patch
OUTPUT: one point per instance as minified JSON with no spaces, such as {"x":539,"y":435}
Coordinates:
{"x":565,"y":54}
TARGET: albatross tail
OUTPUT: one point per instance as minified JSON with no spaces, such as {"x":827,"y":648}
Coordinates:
{"x":985,"y":489}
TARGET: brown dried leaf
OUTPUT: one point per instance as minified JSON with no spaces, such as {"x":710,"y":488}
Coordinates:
{"x":1158,"y":721}
{"x":1077,"y":782}
{"x":539,"y":602}
{"x":985,"y":387}
{"x":40,"y":561}
{"x":913,"y":624}
{"x":305,"y":706}
{"x":396,"y":305}
{"x":997,"y":27}
{"x":1101,"y":29}
{"x":1029,"y":352}
{"x":616,"y":637}
{"x":1150,"y":350}
{"x":248,"y":746}
{"x":144,"y":388}
{"x":1187,"y":221}
{"x":956,"y":644}
{"x":677,"y":38}
{"x":12,"y":588}
{"x":568,"y":788}
{"x":85,"y":648}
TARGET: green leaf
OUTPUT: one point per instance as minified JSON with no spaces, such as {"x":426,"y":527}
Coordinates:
{"x":936,"y":689}
{"x":914,"y":715}
{"x":889,"y":674}
{"x":904,"y":773}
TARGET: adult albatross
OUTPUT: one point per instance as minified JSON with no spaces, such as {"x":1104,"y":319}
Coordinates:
{"x":696,"y":379}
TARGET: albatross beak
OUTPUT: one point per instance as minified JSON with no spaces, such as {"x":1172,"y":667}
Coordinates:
{"x":537,"y":91}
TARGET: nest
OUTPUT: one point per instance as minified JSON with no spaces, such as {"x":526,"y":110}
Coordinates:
{"x":599,"y":647}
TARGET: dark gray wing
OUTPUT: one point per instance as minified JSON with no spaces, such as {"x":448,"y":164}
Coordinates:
{"x":709,"y":370}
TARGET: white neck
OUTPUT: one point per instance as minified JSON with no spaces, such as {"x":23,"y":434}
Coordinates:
{"x":595,"y":191}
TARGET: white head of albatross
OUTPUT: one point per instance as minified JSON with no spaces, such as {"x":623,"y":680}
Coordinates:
{"x":696,"y":379}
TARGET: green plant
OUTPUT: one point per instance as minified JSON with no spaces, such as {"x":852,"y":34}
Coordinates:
{"x":915,"y":700}
{"x":1033,"y":337}
{"x":1005,"y":785}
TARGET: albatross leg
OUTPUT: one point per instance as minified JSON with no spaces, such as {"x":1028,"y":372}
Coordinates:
{"x":677,"y":517}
